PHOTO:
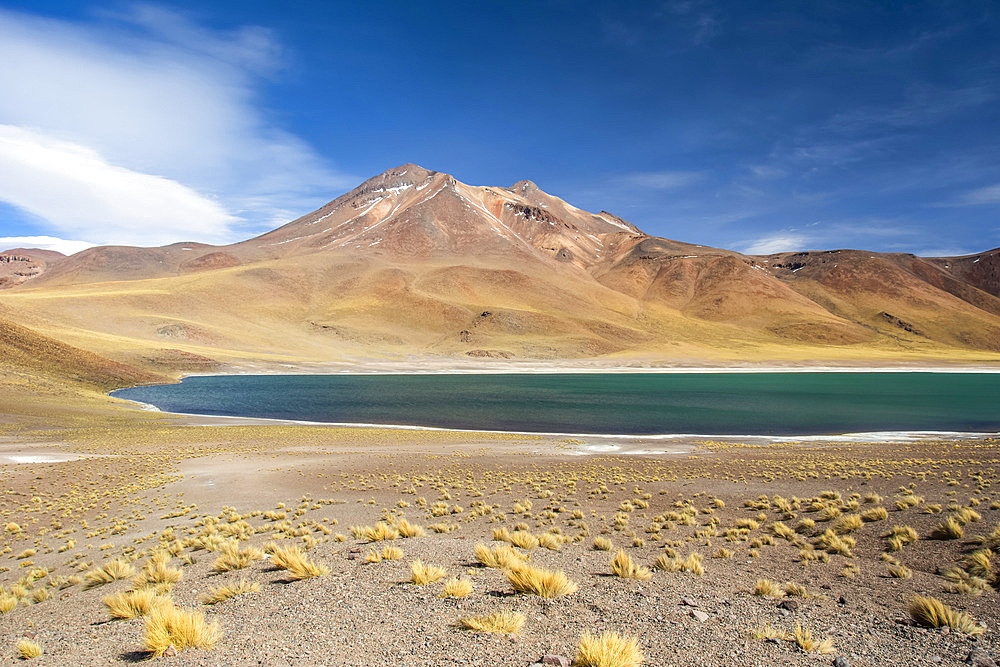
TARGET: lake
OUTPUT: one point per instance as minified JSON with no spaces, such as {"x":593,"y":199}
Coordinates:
{"x":718,"y":403}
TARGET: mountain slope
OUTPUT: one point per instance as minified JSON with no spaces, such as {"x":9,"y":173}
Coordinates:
{"x":414,"y":262}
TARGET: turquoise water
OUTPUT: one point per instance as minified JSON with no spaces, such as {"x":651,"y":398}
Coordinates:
{"x":605,"y":403}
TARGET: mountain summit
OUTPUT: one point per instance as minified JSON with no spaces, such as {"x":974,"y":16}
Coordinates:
{"x":414,"y":262}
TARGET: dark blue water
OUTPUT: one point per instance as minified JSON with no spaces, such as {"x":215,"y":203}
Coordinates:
{"x":607,"y":403}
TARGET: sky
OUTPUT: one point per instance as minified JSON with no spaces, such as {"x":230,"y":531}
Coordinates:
{"x":748,"y":125}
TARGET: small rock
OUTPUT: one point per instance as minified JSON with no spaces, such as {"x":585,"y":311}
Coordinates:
{"x":935,"y":658}
{"x":980,"y":658}
{"x":699,"y":615}
{"x":688,"y":602}
{"x":559,"y":660}
{"x":842,"y":599}
{"x":790,"y":605}
{"x":841,"y":661}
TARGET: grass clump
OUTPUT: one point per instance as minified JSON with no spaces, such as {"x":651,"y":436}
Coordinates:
{"x":932,"y":613}
{"x":608,"y":649}
{"x":899,"y":571}
{"x":133,"y":604}
{"x":231,"y":557}
{"x":27,"y":649}
{"x":389,"y":552}
{"x":456,"y":588}
{"x":8,"y":603}
{"x":767,"y":588}
{"x":158,"y":573}
{"x":544,"y":583}
{"x":602,"y":544}
{"x":407,"y":529}
{"x":623,"y":566}
{"x":949,"y":529}
{"x":223,"y":593}
{"x":296,"y":563}
{"x":805,"y":641}
{"x":875,"y":514}
{"x":501,"y":622}
{"x":111,"y":571}
{"x":502,"y":557}
{"x":168,"y":626}
{"x":422,"y":574}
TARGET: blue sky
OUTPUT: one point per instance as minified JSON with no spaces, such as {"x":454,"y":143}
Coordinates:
{"x":756,"y":126}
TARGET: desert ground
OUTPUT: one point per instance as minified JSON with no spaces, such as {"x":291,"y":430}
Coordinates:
{"x":131,"y":535}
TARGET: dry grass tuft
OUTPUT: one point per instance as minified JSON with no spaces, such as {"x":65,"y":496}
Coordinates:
{"x":767,"y":588}
{"x":932,"y":613}
{"x":524,"y":539}
{"x":501,"y":557}
{"x":407,"y":529}
{"x":502,"y":622}
{"x":168,"y":626}
{"x":421,"y":574}
{"x":223,"y":593}
{"x":133,"y":604}
{"x":298,"y":565}
{"x":8,"y":603}
{"x":456,"y":588}
{"x":602,"y":544}
{"x":110,"y":571}
{"x":231,"y":557}
{"x":157,"y":572}
{"x":536,"y":581}
{"x":623,"y":566}
{"x":609,"y":649}
{"x":805,"y":641}
{"x":949,"y":529}
{"x":27,"y":649}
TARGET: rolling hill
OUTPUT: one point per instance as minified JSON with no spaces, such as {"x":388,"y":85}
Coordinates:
{"x":415,"y":264}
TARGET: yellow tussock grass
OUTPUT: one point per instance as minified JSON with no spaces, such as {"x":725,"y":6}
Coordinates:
{"x":805,"y":641}
{"x":501,"y":557}
{"x":622,"y":565}
{"x":932,"y":613}
{"x":231,"y":557}
{"x":110,"y":571}
{"x":168,"y":626}
{"x":296,"y":563}
{"x":8,"y":603}
{"x":133,"y":604}
{"x":157,"y":571}
{"x":407,"y":529}
{"x":524,"y":539}
{"x":421,"y":574}
{"x":456,"y":588}
{"x":502,"y":622}
{"x":767,"y":588}
{"x":544,"y":583}
{"x":602,"y":544}
{"x":223,"y":593}
{"x":608,"y":649}
{"x":27,"y":649}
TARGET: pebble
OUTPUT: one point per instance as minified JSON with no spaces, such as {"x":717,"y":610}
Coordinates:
{"x":841,"y":661}
{"x":980,"y":658}
{"x":699,"y":615}
{"x":559,"y":660}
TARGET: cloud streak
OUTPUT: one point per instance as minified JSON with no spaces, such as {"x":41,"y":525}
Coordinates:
{"x":152,"y":106}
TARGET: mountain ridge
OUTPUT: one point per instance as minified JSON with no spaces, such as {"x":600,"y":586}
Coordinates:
{"x":415,"y":262}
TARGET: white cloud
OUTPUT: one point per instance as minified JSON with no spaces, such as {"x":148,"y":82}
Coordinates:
{"x":661,"y":180}
{"x":64,"y":246}
{"x":987,"y":195}
{"x":80,"y":194}
{"x":777,"y":243}
{"x":159,"y":103}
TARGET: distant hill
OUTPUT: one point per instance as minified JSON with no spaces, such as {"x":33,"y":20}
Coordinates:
{"x":415,"y":263}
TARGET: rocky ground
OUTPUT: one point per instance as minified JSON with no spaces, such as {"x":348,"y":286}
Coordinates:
{"x":83,"y":496}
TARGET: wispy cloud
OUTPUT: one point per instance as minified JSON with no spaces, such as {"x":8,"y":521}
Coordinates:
{"x":146,"y":103}
{"x":82,"y":195}
{"x":783,"y":242}
{"x":988,"y":195}
{"x":660,"y":180}
{"x":44,"y":243}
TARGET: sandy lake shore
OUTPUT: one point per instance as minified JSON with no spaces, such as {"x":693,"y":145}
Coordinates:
{"x":788,"y":512}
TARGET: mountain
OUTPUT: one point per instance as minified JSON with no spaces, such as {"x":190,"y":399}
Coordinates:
{"x":415,"y":263}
